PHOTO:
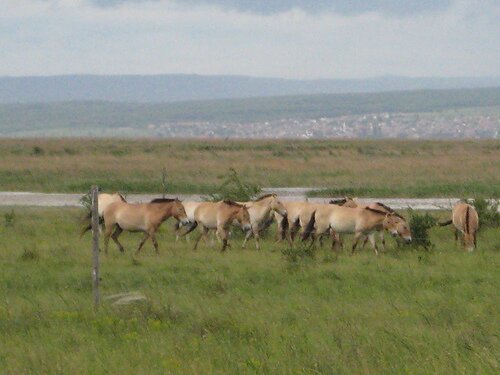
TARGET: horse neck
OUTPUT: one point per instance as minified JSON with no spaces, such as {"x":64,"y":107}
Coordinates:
{"x":166,"y":210}
{"x":264,"y":206}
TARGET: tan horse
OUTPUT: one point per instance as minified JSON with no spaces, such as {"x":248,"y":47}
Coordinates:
{"x":103,"y":201}
{"x":261,"y":211}
{"x":346,"y":220}
{"x":288,"y":228}
{"x":466,"y":221}
{"x":219,"y":216}
{"x":403,"y":226}
{"x":146,"y":218}
{"x":190,"y":207}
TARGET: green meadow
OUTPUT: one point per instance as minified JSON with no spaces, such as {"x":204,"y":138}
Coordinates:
{"x":407,"y":311}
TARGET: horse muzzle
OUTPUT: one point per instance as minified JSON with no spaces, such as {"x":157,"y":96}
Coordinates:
{"x":247,"y":227}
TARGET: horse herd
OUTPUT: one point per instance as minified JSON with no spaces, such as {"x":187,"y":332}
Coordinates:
{"x":313,"y":220}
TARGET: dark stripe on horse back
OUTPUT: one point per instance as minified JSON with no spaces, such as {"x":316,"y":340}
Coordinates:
{"x":163,"y":200}
{"x":376,"y":211}
{"x":232,"y":203}
{"x":338,"y":202}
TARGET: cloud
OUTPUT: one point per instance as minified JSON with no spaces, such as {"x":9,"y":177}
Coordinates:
{"x":42,"y":37}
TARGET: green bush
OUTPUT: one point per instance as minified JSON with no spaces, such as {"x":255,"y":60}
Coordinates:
{"x":234,"y":188}
{"x":298,"y":253}
{"x":10,"y":218}
{"x":487,"y":211}
{"x":420,"y":225}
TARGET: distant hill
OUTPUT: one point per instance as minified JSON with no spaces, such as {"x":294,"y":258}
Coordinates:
{"x":174,"y":88}
{"x":224,"y":116}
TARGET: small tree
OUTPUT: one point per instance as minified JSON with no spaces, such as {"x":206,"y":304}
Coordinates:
{"x":420,"y":225}
{"x":234,"y":188}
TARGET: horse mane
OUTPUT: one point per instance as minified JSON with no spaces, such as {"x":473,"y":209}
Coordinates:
{"x":163,"y":200}
{"x":384,"y":206}
{"x":376,"y":211}
{"x":390,"y":210}
{"x":265,"y":196}
{"x":338,"y":202}
{"x":232,"y":203}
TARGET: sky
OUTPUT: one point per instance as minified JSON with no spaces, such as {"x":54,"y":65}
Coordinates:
{"x":299,"y":39}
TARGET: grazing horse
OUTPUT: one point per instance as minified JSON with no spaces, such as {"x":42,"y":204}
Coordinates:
{"x":146,"y":217}
{"x":220,"y":216}
{"x":260,"y":211}
{"x":466,"y":221}
{"x":347,"y":220}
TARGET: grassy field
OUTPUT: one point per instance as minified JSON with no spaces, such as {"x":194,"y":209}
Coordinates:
{"x":406,"y":311}
{"x":362,"y":168}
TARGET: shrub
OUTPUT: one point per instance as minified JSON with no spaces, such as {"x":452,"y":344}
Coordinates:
{"x":10,"y":218}
{"x":420,"y":225}
{"x":30,"y":254}
{"x":37,"y":151}
{"x":299,"y":252}
{"x":487,"y":211}
{"x":234,"y":188}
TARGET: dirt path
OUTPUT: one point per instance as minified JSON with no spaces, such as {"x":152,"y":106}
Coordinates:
{"x":61,"y":200}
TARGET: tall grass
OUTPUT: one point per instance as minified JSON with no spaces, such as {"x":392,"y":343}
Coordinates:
{"x":406,"y":311}
{"x":359,"y":168}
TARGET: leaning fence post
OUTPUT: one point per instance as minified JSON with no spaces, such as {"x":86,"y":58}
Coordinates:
{"x":95,"y":247}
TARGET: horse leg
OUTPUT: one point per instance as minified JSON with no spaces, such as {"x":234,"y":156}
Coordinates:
{"x":146,"y":236}
{"x":247,"y":237}
{"x":107,"y":234}
{"x":365,"y":240}
{"x":382,"y":239}
{"x":204,"y":230}
{"x":357,"y":236}
{"x":222,"y":232}
{"x":456,"y":236}
{"x":115,"y":236}
{"x":155,"y":243}
{"x":257,"y":239}
{"x":371,"y":236}
{"x":475,"y":241}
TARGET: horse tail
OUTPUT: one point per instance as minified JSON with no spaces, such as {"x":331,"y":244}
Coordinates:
{"x":284,"y":226}
{"x":87,"y":222}
{"x":191,"y":228}
{"x":445,"y":223}
{"x":467,"y":220}
{"x":309,"y":227}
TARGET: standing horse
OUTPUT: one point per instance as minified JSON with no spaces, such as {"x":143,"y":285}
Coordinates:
{"x":288,"y":228}
{"x":260,"y":211}
{"x":466,"y":221}
{"x":190,"y":207}
{"x":146,"y":218}
{"x":220,"y":216}
{"x":346,"y":220}
{"x":400,"y":220}
{"x":103,"y":201}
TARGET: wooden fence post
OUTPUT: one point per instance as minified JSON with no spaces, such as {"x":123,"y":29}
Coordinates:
{"x":95,"y":247}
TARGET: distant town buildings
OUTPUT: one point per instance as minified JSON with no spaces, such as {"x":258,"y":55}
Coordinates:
{"x":445,"y":125}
